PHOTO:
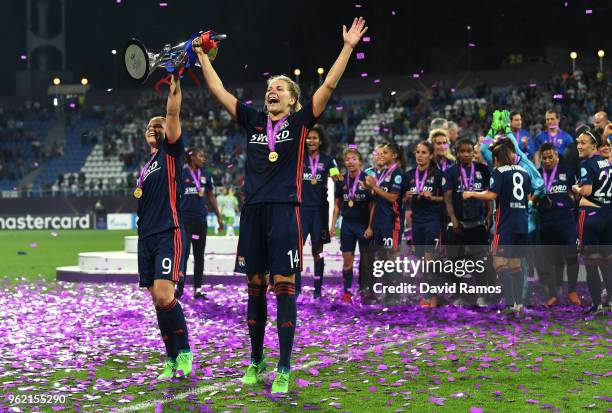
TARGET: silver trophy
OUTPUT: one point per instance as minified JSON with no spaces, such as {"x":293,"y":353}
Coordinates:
{"x":140,"y":62}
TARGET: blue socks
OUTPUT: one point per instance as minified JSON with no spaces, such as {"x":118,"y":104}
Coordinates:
{"x":257,"y":316}
{"x":286,"y":318}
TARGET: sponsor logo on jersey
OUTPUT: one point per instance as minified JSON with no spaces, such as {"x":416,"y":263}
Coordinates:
{"x":152,"y":168}
{"x":262,"y":139}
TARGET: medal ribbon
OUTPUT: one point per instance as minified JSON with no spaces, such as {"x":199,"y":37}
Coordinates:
{"x":353,"y":190}
{"x":420,"y":183}
{"x":143,"y":171}
{"x":385,"y":174}
{"x":468,"y":185}
{"x":549,"y":181}
{"x":196,"y":179}
{"x":314,"y":164}
{"x":272,"y":131}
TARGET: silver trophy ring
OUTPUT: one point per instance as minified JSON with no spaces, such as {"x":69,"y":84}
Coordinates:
{"x":136,"y":61}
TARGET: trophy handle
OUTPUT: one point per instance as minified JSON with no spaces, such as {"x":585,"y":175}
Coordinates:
{"x":136,"y":61}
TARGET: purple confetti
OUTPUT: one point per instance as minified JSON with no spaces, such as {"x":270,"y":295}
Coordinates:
{"x":588,"y":11}
{"x":376,"y":81}
{"x":302,"y":383}
{"x":366,"y":39}
{"x":360,"y":56}
{"x":195,"y":236}
{"x":24,"y":57}
{"x":163,"y":4}
{"x":476,"y":409}
{"x":33,"y":245}
{"x":437,"y":400}
{"x":364,"y":74}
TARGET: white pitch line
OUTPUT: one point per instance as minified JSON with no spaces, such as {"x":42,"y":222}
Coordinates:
{"x":222,"y":386}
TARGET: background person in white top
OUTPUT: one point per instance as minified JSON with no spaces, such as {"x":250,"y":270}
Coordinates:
{"x":228,"y":204}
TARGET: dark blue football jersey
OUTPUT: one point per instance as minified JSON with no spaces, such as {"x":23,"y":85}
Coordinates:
{"x":387,"y":212}
{"x":280,"y":181}
{"x":475,"y":210}
{"x":424,"y":210}
{"x":445,"y":164}
{"x":597,"y":171}
{"x":557,"y":203}
{"x":512,"y":185}
{"x":193,"y":206}
{"x":158,"y":208}
{"x":315,"y":195}
{"x":360,"y":211}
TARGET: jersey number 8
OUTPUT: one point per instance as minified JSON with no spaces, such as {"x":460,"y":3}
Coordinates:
{"x":517,"y":190}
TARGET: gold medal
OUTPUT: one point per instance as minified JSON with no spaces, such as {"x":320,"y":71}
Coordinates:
{"x":201,"y":193}
{"x":138,"y":193}
{"x":273,"y":156}
{"x":351,"y":203}
{"x":313,"y":181}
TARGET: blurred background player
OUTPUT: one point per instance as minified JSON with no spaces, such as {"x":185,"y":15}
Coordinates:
{"x":161,"y":239}
{"x":354,"y":203}
{"x":553,"y":135}
{"x":424,"y":193}
{"x":557,"y":211}
{"x":270,"y":238}
{"x":314,"y":210}
{"x":510,"y":189}
{"x":524,"y":140}
{"x":453,"y":132}
{"x":228,"y":205}
{"x":197,"y":188}
{"x":595,"y":219}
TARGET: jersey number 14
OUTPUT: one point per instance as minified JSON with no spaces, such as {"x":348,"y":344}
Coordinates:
{"x":294,"y":259}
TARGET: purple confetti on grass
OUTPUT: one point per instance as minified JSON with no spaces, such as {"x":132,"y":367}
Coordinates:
{"x":437,"y":400}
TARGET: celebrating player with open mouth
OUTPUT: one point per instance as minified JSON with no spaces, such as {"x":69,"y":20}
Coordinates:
{"x":270,"y":239}
{"x":161,"y":240}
